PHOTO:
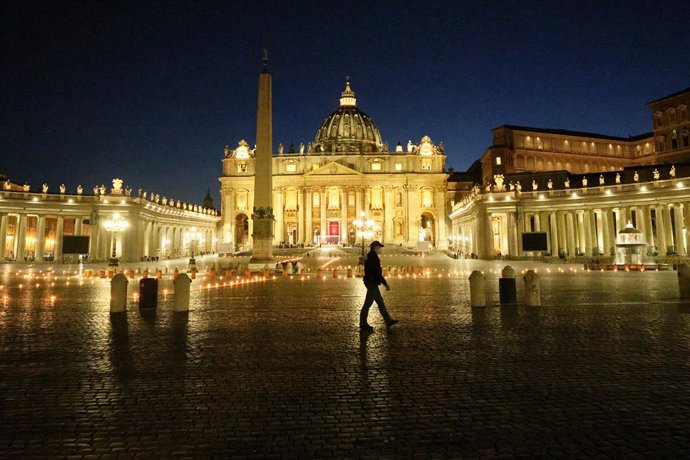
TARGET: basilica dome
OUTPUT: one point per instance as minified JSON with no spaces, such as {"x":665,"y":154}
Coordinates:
{"x":348,"y":129}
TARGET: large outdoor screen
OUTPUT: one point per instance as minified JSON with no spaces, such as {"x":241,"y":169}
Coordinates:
{"x":75,"y":244}
{"x":534,"y":241}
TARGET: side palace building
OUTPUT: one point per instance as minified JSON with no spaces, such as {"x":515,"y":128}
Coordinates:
{"x":580,"y":189}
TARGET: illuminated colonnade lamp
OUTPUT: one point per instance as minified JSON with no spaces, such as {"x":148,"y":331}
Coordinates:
{"x":114,"y":225}
{"x":365,"y":228}
{"x":192,"y":236}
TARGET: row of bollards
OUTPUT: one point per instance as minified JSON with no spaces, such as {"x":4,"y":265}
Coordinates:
{"x":507,"y":289}
{"x":148,"y":293}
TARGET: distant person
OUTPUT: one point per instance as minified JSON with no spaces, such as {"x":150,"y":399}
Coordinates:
{"x":373,"y":277}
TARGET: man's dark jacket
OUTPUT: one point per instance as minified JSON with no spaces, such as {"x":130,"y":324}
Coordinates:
{"x":372,"y":270}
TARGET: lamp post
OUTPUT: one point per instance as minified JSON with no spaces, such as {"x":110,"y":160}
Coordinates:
{"x":115,"y":224}
{"x":193,"y":236}
{"x":365,"y":228}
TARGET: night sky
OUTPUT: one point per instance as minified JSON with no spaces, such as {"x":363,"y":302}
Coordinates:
{"x":152,"y":91}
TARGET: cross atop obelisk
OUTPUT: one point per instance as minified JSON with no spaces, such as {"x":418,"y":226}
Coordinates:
{"x":262,"y":215}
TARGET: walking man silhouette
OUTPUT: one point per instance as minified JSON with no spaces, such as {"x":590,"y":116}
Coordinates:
{"x":373,"y":277}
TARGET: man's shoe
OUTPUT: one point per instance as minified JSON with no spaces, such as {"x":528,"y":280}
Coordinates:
{"x":392,"y":322}
{"x":366,"y":327}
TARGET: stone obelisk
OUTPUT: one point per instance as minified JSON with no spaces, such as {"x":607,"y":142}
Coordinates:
{"x":262,"y":215}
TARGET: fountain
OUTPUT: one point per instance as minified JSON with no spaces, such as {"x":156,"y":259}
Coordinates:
{"x":630,"y":246}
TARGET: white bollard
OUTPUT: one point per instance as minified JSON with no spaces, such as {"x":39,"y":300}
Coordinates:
{"x":684,"y":280}
{"x":532,"y":292}
{"x":118,"y":293}
{"x":182,"y":284}
{"x":477,"y":289}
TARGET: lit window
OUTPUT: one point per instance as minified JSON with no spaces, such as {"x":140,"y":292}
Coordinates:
{"x":426,"y":164}
{"x":398,"y":166}
{"x":498,"y":161}
{"x":315,"y":166}
{"x":376,"y":166}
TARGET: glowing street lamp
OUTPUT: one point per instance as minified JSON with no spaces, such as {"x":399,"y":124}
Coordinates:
{"x":193,"y":235}
{"x":115,"y":224}
{"x":365,"y":228}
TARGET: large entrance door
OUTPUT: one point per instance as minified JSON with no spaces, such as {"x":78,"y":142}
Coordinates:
{"x":333,"y":232}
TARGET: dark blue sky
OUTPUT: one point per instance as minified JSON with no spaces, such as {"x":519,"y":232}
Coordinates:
{"x":153,"y":91}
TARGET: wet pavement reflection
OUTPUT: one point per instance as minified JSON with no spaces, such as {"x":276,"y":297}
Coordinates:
{"x":279,"y":367}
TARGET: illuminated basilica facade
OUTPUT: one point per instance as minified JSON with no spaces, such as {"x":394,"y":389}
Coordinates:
{"x":347,"y":174}
{"x":580,"y":189}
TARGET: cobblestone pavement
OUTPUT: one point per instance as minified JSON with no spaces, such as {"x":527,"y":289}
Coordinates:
{"x":279,"y":369}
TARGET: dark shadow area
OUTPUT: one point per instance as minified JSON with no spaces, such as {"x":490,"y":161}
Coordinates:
{"x":120,"y":352}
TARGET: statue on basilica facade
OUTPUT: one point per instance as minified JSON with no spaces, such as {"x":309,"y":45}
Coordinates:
{"x":535,"y":186}
{"x":584,"y":181}
{"x":80,"y":189}
{"x":227,"y":152}
{"x":518,"y":186}
{"x":165,"y":201}
{"x":102,"y":189}
{"x":498,"y":178}
{"x":549,"y":184}
{"x":567,"y":182}
{"x":601,"y":179}
{"x":96,"y":190}
{"x":7,"y":185}
{"x":618,"y":178}
{"x":672,"y":172}
{"x":44,"y":187}
{"x":301,"y":148}
{"x":281,"y":149}
{"x":656,"y":174}
{"x":117,"y":187}
{"x":511,"y":186}
{"x":62,"y":189}
{"x":26,"y":187}
{"x":410,"y":146}
{"x":636,"y":177}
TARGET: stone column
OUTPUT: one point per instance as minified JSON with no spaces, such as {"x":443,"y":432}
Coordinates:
{"x":562,"y":230}
{"x":343,"y":216}
{"x":686,"y":232}
{"x":661,"y":230}
{"x":512,"y":231}
{"x":440,"y":205}
{"x":648,"y":230}
{"x":301,"y":211}
{"x":587,"y":225}
{"x":519,"y":225}
{"x":596,"y":231}
{"x":611,"y":232}
{"x":40,"y":237}
{"x":359,"y":202}
{"x":554,"y":234}
{"x":228,"y":230}
{"x":3,"y":236}
{"x":668,"y":228}
{"x":58,"y":238}
{"x":324,"y":199}
{"x":413,"y":215}
{"x":605,"y":234}
{"x":279,"y":235}
{"x":678,"y":228}
{"x":20,"y":234}
{"x":389,"y":214}
{"x":78,"y":226}
{"x":309,"y":212}
{"x":572,"y":234}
